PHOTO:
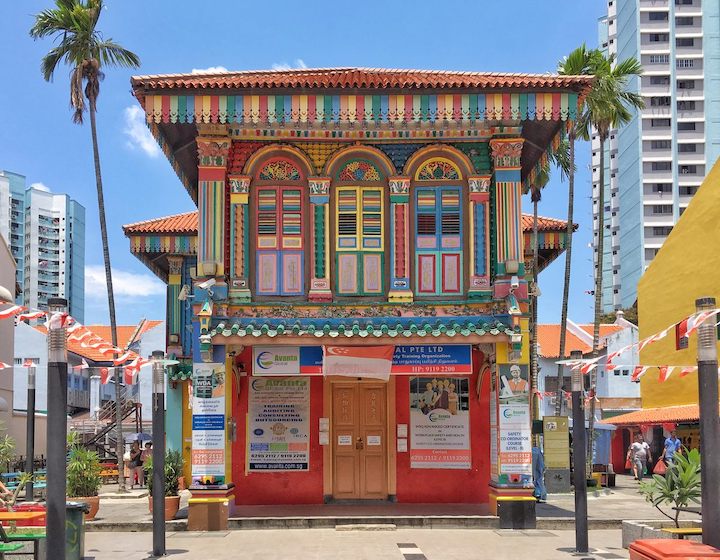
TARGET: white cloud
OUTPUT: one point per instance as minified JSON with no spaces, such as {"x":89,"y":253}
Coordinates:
{"x":299,"y":63}
{"x":40,"y":187}
{"x":138,"y":134}
{"x":125,"y":284}
{"x":211,"y":70}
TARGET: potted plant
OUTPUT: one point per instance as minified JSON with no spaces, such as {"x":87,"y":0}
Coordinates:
{"x":83,"y":478}
{"x":173,"y":472}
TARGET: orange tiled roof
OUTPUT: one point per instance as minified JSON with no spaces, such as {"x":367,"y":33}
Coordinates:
{"x":124,"y":332}
{"x":188,"y":223}
{"x":667,"y":414}
{"x":549,"y":339}
{"x":605,"y":330}
{"x":358,"y":78}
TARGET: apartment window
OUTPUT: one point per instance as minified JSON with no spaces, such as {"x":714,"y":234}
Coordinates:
{"x":661,"y":165}
{"x":662,"y":231}
{"x":660,"y":144}
{"x":684,"y":20}
{"x":683,"y":2}
{"x":658,"y":16}
{"x":688,"y":191}
{"x":684,"y":42}
{"x":684,"y":63}
{"x":686,"y":126}
{"x":662,"y":209}
{"x":660,"y":102}
{"x":659,"y":58}
{"x":687,"y":148}
{"x":659,"y":123}
{"x":688,"y":169}
{"x":686,"y":84}
{"x":659,"y":37}
{"x":659,"y":80}
{"x":686,"y":105}
{"x":661,"y":187}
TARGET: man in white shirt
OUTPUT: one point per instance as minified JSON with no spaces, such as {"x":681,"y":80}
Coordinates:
{"x":639,"y":455}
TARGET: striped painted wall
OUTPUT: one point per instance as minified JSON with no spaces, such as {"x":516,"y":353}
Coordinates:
{"x":173,"y":244}
{"x":211,"y":209}
{"x":359,"y":108}
{"x":507,"y":211}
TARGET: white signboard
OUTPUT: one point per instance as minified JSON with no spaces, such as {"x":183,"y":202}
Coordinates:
{"x":373,"y":440}
{"x":279,"y":424}
{"x":208,"y":424}
{"x":515,"y":439}
{"x":276,"y":360}
{"x":344,"y":440}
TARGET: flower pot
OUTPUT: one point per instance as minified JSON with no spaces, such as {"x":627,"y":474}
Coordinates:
{"x":172,"y":505}
{"x":93,"y":503}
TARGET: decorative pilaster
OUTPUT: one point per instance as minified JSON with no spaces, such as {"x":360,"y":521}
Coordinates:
{"x":506,"y":154}
{"x":320,"y":219}
{"x":400,"y":290}
{"x":239,"y":238}
{"x":174,"y":305}
{"x":479,"y":221}
{"x":212,"y":162}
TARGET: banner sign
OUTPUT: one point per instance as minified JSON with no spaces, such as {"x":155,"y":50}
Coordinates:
{"x":445,"y":359}
{"x":439,"y":423}
{"x":279,"y":424}
{"x":358,"y":361}
{"x":208,"y":424}
{"x":515,"y":440}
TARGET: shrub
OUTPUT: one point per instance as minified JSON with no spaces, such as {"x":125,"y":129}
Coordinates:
{"x":83,"y":473}
{"x":173,"y":472}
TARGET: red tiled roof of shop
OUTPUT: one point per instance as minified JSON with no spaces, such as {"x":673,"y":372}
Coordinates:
{"x":549,"y":339}
{"x":188,"y":223}
{"x":352,"y":77}
{"x":605,"y":330}
{"x":667,"y":414}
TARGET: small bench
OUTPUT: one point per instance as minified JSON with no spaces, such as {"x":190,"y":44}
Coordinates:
{"x":683,"y":532}
{"x":17,"y":539}
{"x":109,"y":475}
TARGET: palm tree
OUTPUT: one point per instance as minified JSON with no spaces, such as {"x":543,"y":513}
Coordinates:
{"x":577,"y":63}
{"x":73,"y":25}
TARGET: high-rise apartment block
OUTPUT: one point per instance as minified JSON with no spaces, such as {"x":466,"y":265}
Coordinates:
{"x":46,"y":234}
{"x":654,"y":164}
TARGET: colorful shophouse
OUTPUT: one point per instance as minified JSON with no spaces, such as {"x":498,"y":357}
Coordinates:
{"x":349,"y":302}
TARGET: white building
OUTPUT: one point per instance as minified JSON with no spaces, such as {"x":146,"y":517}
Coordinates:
{"x":654,"y":165}
{"x":46,"y":233}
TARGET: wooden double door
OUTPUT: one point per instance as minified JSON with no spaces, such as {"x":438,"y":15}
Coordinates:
{"x":359,"y":417}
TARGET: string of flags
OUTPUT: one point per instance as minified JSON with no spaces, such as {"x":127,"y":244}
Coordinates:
{"x":684,"y":328}
{"x":567,"y":395}
{"x":130,"y":362}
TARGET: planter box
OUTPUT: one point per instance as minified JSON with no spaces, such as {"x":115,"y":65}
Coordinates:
{"x":640,"y":530}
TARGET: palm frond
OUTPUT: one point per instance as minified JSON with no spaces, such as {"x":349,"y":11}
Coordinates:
{"x":110,"y":53}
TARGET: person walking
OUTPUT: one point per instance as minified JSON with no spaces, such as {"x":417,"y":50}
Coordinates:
{"x":639,"y":456}
{"x":672,"y":446}
{"x":136,"y":470}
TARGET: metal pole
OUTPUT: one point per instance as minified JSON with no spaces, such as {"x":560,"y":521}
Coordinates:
{"x":30,"y":441}
{"x":709,"y":424}
{"x":579,"y":476}
{"x":56,"y":427}
{"x":158,"y":455}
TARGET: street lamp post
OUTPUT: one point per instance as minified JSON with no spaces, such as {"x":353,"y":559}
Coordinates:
{"x":158,"y":455}
{"x":56,"y":427}
{"x":709,"y":424}
{"x":578,"y":413}
{"x":30,"y":433}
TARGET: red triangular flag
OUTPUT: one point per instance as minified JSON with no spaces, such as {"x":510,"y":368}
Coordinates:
{"x":638,"y":372}
{"x":104,"y":375}
{"x":687,"y":370}
{"x":665,"y":372}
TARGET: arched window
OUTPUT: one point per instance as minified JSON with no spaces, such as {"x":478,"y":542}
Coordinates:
{"x":438,"y":200}
{"x":279,"y":210}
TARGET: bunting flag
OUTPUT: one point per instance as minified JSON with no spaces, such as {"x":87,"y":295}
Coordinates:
{"x":57,"y":320}
{"x":104,"y":375}
{"x":28,"y":363}
{"x":665,"y":372}
{"x":3,"y":365}
{"x":687,"y":370}
{"x":11,"y":311}
{"x":639,"y":372}
{"x":587,"y":368}
{"x":122,"y":359}
{"x":130,"y":375}
{"x":80,"y":337}
{"x":692,"y":323}
{"x":83,"y":365}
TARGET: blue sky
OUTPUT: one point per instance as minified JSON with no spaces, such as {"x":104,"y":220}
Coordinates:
{"x":39,"y":140}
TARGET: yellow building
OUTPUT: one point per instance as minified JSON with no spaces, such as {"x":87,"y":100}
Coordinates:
{"x":686,"y":268}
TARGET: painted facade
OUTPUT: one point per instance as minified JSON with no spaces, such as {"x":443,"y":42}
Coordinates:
{"x":342,"y":212}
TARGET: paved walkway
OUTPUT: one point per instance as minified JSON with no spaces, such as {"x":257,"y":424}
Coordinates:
{"x":329,"y":544}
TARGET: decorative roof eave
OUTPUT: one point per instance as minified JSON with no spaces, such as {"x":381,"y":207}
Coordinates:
{"x":292,"y":340}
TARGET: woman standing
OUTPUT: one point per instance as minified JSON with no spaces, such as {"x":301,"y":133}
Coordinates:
{"x":136,"y":470}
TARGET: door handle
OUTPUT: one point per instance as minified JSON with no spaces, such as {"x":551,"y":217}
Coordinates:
{"x":359,"y":444}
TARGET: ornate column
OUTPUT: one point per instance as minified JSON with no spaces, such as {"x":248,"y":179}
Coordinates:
{"x":479,"y":221}
{"x":400,"y":290}
{"x":212,"y":161}
{"x":508,"y":212}
{"x":174,"y":305}
{"x":320,"y":239}
{"x":239,"y":239}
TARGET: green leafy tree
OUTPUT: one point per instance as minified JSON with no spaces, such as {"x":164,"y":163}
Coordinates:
{"x":80,"y":45}
{"x":173,"y":472}
{"x":679,"y":487}
{"x":7,"y":451}
{"x":83,"y":473}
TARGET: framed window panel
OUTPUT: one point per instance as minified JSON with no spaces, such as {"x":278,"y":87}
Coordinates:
{"x":438,"y":241}
{"x":359,"y":234}
{"x":280,"y":255}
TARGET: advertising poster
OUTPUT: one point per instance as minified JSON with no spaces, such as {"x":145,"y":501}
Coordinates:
{"x":440,"y":423}
{"x":432,"y":359}
{"x":515,"y":441}
{"x":287,"y":360}
{"x":279,"y":424}
{"x":208,"y":424}
{"x":514,"y":384}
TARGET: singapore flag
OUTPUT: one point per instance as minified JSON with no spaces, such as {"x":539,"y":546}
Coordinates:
{"x":358,"y":361}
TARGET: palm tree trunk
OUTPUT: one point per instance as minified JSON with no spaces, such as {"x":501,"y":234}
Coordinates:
{"x":111,"y":297}
{"x":598,"y":297}
{"x":534,"y":316}
{"x":568,"y":260}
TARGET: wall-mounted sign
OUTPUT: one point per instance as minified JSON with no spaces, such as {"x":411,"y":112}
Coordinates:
{"x":208,"y":424}
{"x":287,"y":360}
{"x":279,"y":426}
{"x":515,"y":445}
{"x":344,"y":440}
